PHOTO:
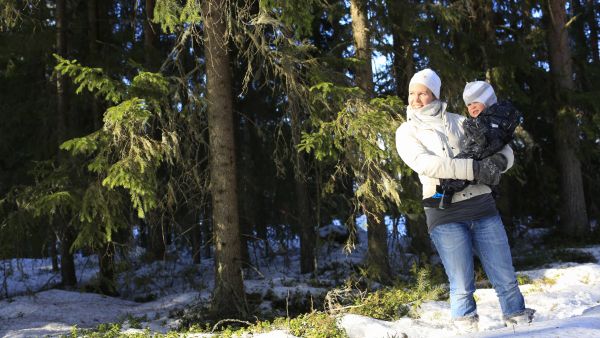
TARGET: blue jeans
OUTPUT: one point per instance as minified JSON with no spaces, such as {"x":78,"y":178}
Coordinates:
{"x":486,"y":237}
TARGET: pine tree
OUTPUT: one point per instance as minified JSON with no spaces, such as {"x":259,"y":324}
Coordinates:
{"x":228,"y":294}
{"x":308,"y":263}
{"x":401,"y":24}
{"x":377,"y":230}
{"x":66,"y":233}
{"x":574,"y":221}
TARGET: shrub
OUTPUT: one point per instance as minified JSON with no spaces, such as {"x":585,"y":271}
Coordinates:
{"x":389,"y":303}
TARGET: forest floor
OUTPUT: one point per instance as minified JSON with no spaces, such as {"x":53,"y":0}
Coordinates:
{"x":566,"y":296}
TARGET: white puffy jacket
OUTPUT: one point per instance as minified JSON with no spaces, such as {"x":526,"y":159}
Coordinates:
{"x":429,"y":152}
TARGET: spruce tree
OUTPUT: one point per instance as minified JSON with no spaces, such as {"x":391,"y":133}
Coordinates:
{"x":228,"y":294}
{"x":574,"y":221}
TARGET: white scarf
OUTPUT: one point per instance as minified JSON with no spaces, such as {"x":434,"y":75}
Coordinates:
{"x":428,"y":116}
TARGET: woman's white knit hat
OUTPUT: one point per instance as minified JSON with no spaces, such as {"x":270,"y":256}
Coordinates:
{"x":429,"y":79}
{"x":479,"y":91}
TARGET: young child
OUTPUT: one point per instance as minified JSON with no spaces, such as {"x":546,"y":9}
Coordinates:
{"x":489,"y":129}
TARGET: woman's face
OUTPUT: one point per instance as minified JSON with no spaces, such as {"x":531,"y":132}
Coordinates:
{"x":419,"y":96}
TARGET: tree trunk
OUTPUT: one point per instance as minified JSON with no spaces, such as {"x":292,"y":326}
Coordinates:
{"x":157,"y":232}
{"x":245,"y":194}
{"x":61,"y":49}
{"x":67,"y":267}
{"x":308,"y":234}
{"x":261,"y":233}
{"x":489,"y":35}
{"x":67,"y":263}
{"x":505,"y":201}
{"x":573,"y":221}
{"x":206,"y":229}
{"x":54,"y":253}
{"x":245,"y":235}
{"x":403,"y":63}
{"x":416,"y":226}
{"x":228,"y":295}
{"x":360,"y":32}
{"x":156,"y":248}
{"x":196,"y":243}
{"x":581,"y":50}
{"x":378,"y":260}
{"x":377,"y":231}
{"x":106,"y":257}
{"x":186,"y":224}
{"x":92,"y":13}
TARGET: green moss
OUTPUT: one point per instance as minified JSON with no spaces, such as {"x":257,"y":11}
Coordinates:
{"x":309,"y":325}
{"x":113,"y":330}
{"x":524,"y":279}
{"x":316,"y":325}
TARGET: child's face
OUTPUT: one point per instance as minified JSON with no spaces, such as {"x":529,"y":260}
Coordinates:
{"x":475,"y":108}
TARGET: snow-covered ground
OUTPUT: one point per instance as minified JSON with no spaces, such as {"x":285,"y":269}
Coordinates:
{"x":566,"y":297}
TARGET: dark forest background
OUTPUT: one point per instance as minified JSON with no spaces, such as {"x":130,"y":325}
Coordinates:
{"x":216,"y":123}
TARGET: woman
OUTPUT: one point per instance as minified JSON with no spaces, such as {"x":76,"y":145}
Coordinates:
{"x":427,"y":142}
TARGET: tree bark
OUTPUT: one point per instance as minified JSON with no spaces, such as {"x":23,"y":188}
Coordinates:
{"x":581,"y":50}
{"x":228,"y":295}
{"x":360,"y":32}
{"x":196,"y":235}
{"x":54,"y":253}
{"x":206,"y":228}
{"x":403,"y":62}
{"x":377,"y":230}
{"x":61,"y":49}
{"x":246,"y":195}
{"x":106,"y":257}
{"x":308,"y":234}
{"x":416,"y":225}
{"x":92,"y":14}
{"x":489,"y":35}
{"x":574,"y":220}
{"x":67,"y":263}
{"x":156,"y":244}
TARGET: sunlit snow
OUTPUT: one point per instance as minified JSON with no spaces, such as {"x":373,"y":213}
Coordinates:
{"x":566,"y":297}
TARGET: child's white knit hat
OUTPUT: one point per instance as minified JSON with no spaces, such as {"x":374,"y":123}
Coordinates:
{"x":479,"y":91}
{"x":429,"y":79}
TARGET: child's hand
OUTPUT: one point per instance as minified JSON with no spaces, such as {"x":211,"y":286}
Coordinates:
{"x":486,"y":171}
{"x":499,"y":160}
